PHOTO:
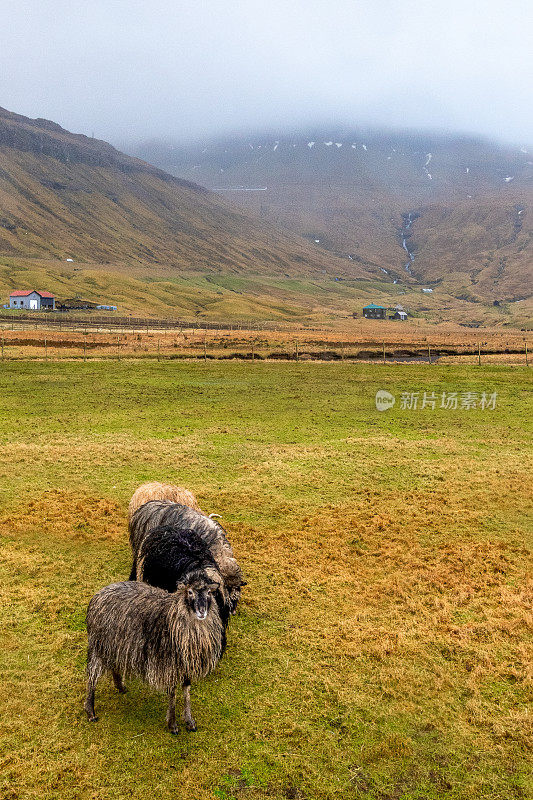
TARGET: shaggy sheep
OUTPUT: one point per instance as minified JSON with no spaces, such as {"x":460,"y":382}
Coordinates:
{"x":158,"y":513}
{"x":161,"y":491}
{"x":165,"y":639}
{"x":168,"y":555}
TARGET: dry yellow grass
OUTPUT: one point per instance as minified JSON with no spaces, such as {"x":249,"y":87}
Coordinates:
{"x":356,"y":339}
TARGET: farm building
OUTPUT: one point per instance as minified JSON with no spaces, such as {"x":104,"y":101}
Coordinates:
{"x":399,"y":315}
{"x":374,"y":312}
{"x":32,"y":300}
{"x":76,"y":304}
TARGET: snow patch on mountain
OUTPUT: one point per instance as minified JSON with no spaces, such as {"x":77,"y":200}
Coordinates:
{"x":429,"y":156}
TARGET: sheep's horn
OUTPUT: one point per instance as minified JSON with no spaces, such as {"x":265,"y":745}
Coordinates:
{"x":212,"y":516}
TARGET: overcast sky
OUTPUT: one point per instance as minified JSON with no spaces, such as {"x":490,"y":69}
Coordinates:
{"x":129,"y":70}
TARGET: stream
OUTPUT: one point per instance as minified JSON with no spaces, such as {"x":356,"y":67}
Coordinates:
{"x":405,"y":234}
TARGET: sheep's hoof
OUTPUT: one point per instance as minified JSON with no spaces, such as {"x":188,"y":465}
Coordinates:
{"x":94,"y":718}
{"x":123,"y":690}
{"x":191,"y":726}
{"x":174,"y":730}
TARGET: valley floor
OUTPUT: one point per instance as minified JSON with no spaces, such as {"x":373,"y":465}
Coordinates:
{"x":383,"y":645}
{"x":223,"y":296}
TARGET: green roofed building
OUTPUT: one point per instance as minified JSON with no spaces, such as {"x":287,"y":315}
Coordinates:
{"x":374,"y":312}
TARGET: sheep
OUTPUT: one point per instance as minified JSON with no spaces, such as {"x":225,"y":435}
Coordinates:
{"x":164,"y":512}
{"x":168,"y":555}
{"x":165,"y":639}
{"x":161,"y":491}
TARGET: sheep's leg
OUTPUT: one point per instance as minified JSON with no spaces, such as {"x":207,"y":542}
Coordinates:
{"x":117,"y":680}
{"x":94,"y":671}
{"x":89,"y":702}
{"x":133,"y":573}
{"x":188,"y":718}
{"x":171,"y":712}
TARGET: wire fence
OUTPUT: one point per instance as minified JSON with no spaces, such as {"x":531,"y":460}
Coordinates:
{"x":18,"y":320}
{"x":245,"y":345}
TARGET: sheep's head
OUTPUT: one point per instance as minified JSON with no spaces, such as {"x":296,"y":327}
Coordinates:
{"x":198,"y":593}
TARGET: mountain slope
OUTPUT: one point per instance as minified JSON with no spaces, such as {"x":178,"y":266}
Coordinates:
{"x":461,"y":206}
{"x":65,"y":195}
{"x":153,"y":243}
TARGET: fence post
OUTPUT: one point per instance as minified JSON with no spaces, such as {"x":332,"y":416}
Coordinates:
{"x":45,"y":349}
{"x":479,"y":353}
{"x":384,"y":356}
{"x":158,"y":348}
{"x":118,"y":347}
{"x":84,"y":350}
{"x":429,"y":353}
{"x":297,"y":353}
{"x":525,"y":343}
{"x":2,"y":347}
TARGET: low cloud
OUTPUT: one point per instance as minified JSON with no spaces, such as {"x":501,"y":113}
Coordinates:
{"x":129,"y":70}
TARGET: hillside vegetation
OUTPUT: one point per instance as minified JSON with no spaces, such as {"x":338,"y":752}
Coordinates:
{"x":65,"y":195}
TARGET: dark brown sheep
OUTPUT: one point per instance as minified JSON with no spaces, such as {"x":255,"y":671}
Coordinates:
{"x":168,"y":640}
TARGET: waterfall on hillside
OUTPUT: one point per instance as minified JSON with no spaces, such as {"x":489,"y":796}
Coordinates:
{"x":405,"y":234}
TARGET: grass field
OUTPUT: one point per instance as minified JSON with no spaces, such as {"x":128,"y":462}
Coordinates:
{"x":383,"y":647}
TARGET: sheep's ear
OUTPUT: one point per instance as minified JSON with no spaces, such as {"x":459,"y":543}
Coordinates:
{"x":213,"y":587}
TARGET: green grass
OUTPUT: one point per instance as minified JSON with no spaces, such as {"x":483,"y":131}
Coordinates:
{"x":383,"y":645}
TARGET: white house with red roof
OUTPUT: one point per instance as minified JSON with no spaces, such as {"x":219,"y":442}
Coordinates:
{"x":32,"y":300}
